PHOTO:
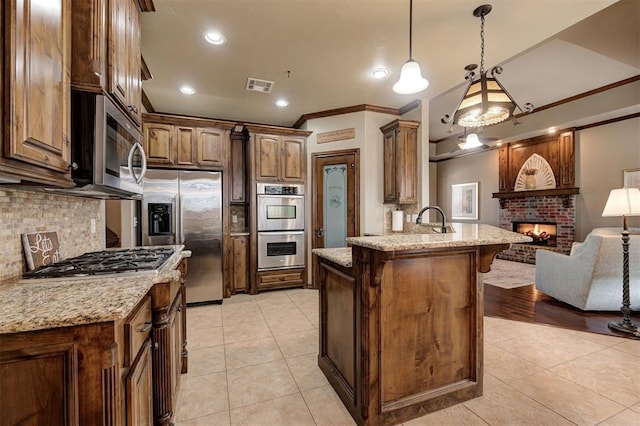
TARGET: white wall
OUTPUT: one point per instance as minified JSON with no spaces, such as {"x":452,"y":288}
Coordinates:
{"x":369,"y":140}
{"x":481,"y":168}
{"x":602,"y":153}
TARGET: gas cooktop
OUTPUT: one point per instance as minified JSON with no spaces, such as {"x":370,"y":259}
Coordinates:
{"x":105,"y":262}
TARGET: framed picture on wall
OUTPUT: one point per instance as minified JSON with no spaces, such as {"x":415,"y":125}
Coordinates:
{"x":631,"y":178}
{"x":464,"y":201}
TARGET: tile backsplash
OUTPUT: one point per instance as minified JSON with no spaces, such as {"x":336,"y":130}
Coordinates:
{"x":24,"y":212}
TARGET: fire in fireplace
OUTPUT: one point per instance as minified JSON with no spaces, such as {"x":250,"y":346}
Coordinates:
{"x":543,"y":233}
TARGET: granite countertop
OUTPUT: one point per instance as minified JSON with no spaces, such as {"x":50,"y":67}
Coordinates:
{"x":50,"y":303}
{"x":423,"y":236}
{"x":466,"y":234}
{"x":340,"y":255}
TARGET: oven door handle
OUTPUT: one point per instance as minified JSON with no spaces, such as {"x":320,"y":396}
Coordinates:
{"x":137,"y":147}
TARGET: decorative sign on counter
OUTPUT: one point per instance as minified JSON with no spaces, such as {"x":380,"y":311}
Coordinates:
{"x":41,"y":248}
{"x":336,"y":135}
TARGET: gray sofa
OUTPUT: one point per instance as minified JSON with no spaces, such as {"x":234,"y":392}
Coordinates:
{"x":590,"y":278}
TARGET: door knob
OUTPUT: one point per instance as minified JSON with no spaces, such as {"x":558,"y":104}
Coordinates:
{"x":320,"y":233}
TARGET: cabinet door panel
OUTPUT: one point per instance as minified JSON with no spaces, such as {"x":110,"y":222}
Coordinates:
{"x":134,"y":98}
{"x":293,"y":161}
{"x":409,"y":171}
{"x":40,"y":385}
{"x":210,"y":149}
{"x":237,"y":170}
{"x":267,"y":158}
{"x":390,"y":167}
{"x":159,"y":143}
{"x":39,"y":93}
{"x":240,"y":263}
{"x":139,"y":388}
{"x":185,"y":145}
{"x":118,"y":50}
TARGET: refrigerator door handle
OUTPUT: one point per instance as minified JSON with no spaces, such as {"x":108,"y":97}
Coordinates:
{"x":180,"y":233}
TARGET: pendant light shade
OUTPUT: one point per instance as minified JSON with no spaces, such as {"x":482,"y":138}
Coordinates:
{"x":472,"y":141}
{"x":411,"y":80}
{"x":485,"y":101}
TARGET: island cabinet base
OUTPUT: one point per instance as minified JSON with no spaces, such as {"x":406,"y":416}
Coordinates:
{"x":401,"y":331}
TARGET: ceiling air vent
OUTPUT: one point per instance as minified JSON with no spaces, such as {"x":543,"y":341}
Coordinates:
{"x":257,"y":85}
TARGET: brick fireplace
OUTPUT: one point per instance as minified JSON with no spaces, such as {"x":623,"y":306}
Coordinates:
{"x":543,"y":210}
{"x":537,"y":187}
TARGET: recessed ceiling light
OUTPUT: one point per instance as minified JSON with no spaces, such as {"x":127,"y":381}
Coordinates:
{"x":187,"y":90}
{"x":379,"y":73}
{"x":214,"y":38}
{"x":551,"y":130}
{"x":282,"y":103}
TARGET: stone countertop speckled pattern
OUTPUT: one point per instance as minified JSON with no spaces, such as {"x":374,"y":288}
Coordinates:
{"x":43,"y":304}
{"x":340,"y":255}
{"x":466,"y":234}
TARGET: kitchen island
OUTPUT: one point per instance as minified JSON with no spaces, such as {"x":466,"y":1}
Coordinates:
{"x":79,"y":351}
{"x":401,"y":319}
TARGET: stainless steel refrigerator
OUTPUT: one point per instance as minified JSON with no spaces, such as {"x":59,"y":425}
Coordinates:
{"x":185,"y":207}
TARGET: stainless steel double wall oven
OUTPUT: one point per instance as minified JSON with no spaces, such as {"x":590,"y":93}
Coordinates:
{"x":280,"y":226}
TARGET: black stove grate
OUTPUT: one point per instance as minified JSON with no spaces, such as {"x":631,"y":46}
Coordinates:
{"x":105,"y":262}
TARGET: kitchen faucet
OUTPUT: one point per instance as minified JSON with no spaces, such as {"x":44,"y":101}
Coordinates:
{"x":444,"y":219}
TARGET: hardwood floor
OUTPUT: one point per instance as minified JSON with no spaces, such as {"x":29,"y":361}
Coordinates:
{"x":527,"y":304}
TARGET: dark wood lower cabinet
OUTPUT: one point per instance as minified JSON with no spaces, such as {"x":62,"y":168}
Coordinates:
{"x":139,"y":389}
{"x":169,"y":347}
{"x":401,"y":331}
{"x":38,"y":379}
{"x":61,"y":376}
{"x":123,"y":372}
{"x":281,"y":278}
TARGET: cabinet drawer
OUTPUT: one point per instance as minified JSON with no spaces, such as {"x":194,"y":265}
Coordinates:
{"x":136,"y":330}
{"x":288,"y":278}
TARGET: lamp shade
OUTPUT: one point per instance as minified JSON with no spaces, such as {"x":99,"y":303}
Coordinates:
{"x":484,"y":104}
{"x":411,"y":80}
{"x":623,"y":202}
{"x":471,"y":141}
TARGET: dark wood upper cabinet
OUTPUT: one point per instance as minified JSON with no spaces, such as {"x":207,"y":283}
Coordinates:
{"x":280,"y":158}
{"x":36,"y":91}
{"x":400,"y":139}
{"x":106,"y":51}
{"x":237,"y":164}
{"x":185,"y":143}
{"x":159,"y":143}
{"x":211,"y":147}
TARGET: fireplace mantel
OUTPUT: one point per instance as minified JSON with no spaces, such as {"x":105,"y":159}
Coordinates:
{"x":560,"y":192}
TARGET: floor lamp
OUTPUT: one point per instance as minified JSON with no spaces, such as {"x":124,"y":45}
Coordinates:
{"x":624,"y":202}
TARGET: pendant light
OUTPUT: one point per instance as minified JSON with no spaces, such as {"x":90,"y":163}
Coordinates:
{"x":485,"y":101}
{"x":411,"y":80}
{"x":471,"y":141}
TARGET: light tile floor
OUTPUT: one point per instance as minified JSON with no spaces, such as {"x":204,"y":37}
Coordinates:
{"x":252,"y":361}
